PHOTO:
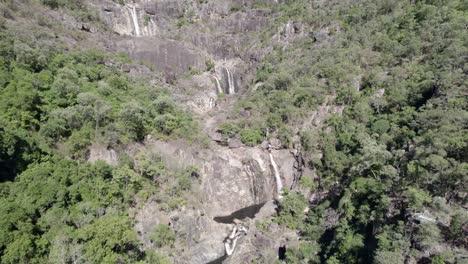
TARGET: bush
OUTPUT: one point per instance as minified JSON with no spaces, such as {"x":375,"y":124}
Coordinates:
{"x":54,"y":4}
{"x":209,"y":65}
{"x":182,"y":22}
{"x":154,"y":257}
{"x":162,"y":235}
{"x":228,"y":130}
{"x":292,"y":210}
{"x":251,"y":137}
{"x":381,"y":126}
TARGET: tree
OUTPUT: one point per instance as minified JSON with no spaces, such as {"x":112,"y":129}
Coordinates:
{"x":291,"y":211}
{"x":132,"y":118}
{"x":110,"y":239}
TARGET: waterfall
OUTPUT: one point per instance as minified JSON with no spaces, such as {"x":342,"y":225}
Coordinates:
{"x":232,"y":238}
{"x":218,"y":85}
{"x":231,"y":85}
{"x":135,"y":20}
{"x":231,"y":241}
{"x":279,"y":185}
{"x":211,"y":103}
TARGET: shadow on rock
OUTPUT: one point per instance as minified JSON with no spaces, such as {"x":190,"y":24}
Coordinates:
{"x":249,"y":211}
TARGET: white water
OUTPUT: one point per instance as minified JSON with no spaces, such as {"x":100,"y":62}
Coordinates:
{"x":230,"y":248}
{"x":279,"y":184}
{"x":218,"y":85}
{"x":211,"y":103}
{"x":135,"y":20}
{"x":232,"y":88}
{"x":231,"y":242}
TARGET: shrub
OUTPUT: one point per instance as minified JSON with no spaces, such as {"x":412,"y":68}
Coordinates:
{"x":162,"y":235}
{"x":228,"y":130}
{"x":209,"y":65}
{"x":182,"y":22}
{"x":292,"y":210}
{"x":251,"y":137}
{"x":381,"y":126}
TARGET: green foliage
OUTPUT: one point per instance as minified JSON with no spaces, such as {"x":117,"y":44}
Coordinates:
{"x":153,"y":257}
{"x":389,"y":257}
{"x":417,"y":198}
{"x":228,"y":130}
{"x":80,"y":205}
{"x":182,"y":22}
{"x":397,"y":71}
{"x":73,"y":98}
{"x":380,"y":126}
{"x":457,"y":223}
{"x":162,"y":236}
{"x":146,"y":20}
{"x":291,"y":213}
{"x":209,"y":65}
{"x":307,"y":182}
{"x":306,"y":252}
{"x":109,"y":239}
{"x":251,"y":137}
{"x":437,"y":260}
{"x":54,"y":103}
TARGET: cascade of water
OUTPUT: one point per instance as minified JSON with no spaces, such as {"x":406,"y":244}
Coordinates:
{"x":135,"y":20}
{"x":231,"y":241}
{"x":211,"y":103}
{"x":232,"y":88}
{"x":218,"y":85}
{"x":279,"y":184}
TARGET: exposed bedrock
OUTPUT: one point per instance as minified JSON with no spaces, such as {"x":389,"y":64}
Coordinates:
{"x":155,"y":31}
{"x":166,"y":55}
{"x":236,"y":185}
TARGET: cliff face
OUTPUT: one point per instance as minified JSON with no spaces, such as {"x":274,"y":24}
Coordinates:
{"x":177,"y":36}
{"x":235,"y":185}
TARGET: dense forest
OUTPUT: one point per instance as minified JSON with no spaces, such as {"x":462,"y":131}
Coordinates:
{"x":55,"y":207}
{"x":399,"y":151}
{"x":390,"y":170}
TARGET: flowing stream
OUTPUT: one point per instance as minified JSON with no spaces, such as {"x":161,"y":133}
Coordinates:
{"x":135,"y":20}
{"x":279,"y":184}
{"x":231,"y":84}
{"x":218,"y":85}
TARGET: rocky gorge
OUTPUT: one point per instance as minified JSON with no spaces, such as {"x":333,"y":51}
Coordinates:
{"x":238,"y":184}
{"x":233,"y":131}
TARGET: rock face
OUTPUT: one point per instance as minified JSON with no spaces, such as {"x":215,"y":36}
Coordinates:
{"x":102,"y":153}
{"x":164,"y":54}
{"x":235,"y":184}
{"x":178,"y":36}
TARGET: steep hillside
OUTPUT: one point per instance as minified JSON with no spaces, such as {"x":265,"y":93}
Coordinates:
{"x":233,"y":131}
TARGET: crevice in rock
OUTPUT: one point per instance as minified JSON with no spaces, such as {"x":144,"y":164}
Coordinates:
{"x":282,"y":253}
{"x":299,"y":165}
